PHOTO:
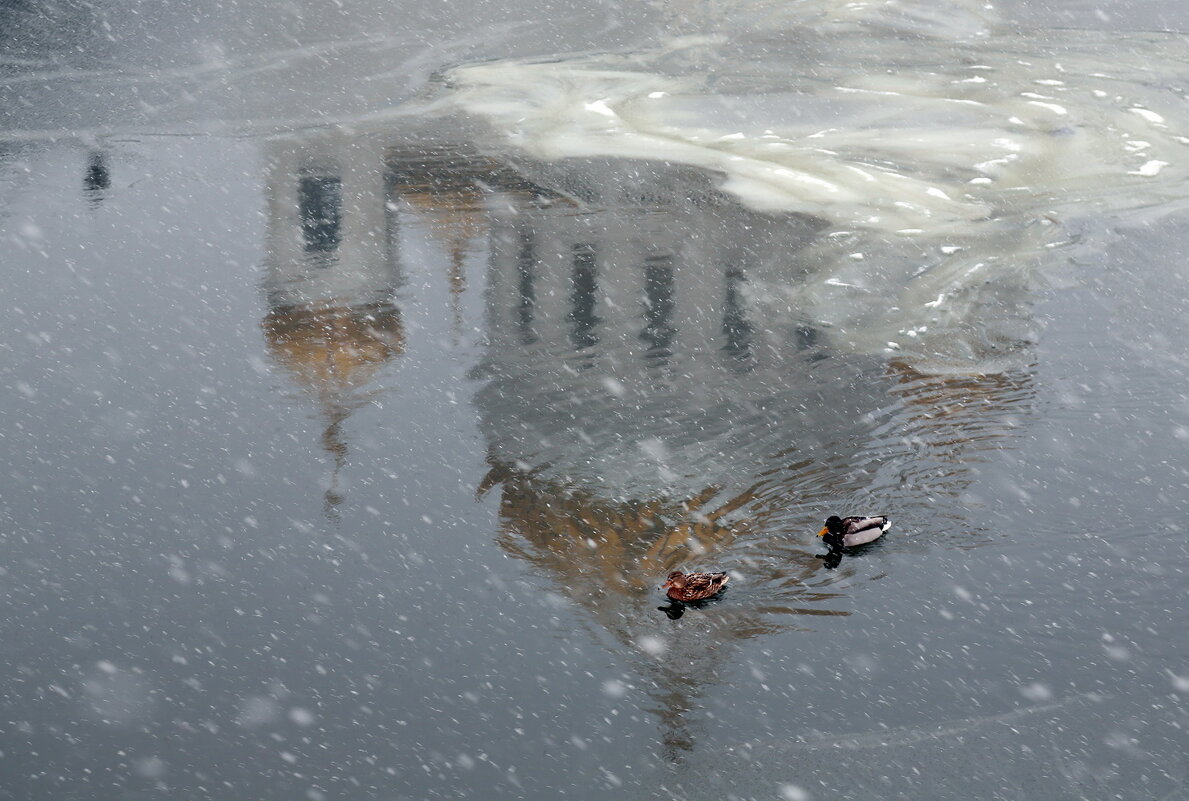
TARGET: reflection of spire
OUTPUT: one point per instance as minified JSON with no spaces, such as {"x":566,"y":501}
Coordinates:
{"x":333,"y":353}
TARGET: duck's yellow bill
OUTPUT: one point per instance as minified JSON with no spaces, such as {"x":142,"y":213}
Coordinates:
{"x":823,"y":532}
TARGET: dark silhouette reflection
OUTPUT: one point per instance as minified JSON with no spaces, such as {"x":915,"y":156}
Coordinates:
{"x":583,"y":296}
{"x":735,"y":326}
{"x":97,"y":176}
{"x":659,"y":305}
{"x":526,"y":270}
{"x":675,"y":609}
{"x":832,"y":558}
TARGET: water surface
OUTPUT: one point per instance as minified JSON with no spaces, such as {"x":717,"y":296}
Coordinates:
{"x":366,"y":375}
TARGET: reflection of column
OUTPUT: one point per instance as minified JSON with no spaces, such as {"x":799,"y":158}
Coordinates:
{"x":584,"y":294}
{"x":736,"y":328}
{"x":526,"y":289}
{"x":330,"y":278}
{"x":658,"y":330}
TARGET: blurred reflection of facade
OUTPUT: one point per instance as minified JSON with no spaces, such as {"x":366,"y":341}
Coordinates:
{"x":655,"y":400}
{"x":330,"y":278}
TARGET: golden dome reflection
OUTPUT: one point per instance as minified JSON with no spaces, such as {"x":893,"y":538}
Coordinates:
{"x":330,"y":350}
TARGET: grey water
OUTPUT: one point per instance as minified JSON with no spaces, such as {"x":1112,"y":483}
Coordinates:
{"x":367,"y":368}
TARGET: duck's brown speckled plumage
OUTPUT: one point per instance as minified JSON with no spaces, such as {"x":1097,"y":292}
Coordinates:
{"x":694,"y":586}
{"x":847,"y":532}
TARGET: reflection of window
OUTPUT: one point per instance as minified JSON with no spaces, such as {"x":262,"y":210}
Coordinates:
{"x":526,"y":265}
{"x":735,"y":326}
{"x":658,"y":310}
{"x":320,"y":203}
{"x":582,"y":298}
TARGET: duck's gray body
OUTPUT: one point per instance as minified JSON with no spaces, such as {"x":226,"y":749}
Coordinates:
{"x":847,"y":532}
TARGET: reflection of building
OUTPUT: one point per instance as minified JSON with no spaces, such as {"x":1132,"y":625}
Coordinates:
{"x":657,"y":393}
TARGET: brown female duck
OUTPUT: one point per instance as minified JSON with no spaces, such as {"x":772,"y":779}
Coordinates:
{"x":688,"y":587}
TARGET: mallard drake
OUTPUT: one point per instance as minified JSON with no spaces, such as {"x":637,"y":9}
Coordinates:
{"x":694,"y":586}
{"x":847,"y":532}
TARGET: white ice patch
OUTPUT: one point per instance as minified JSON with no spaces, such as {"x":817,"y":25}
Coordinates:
{"x":1147,"y":114}
{"x":1150,"y":168}
{"x":890,"y":151}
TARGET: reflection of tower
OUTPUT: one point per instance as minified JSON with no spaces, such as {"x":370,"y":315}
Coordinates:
{"x":330,"y":277}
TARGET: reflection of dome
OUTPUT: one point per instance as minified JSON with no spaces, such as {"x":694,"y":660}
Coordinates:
{"x":606,"y":546}
{"x":332,"y":349}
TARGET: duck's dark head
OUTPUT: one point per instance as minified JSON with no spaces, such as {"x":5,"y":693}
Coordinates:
{"x":833,"y":526}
